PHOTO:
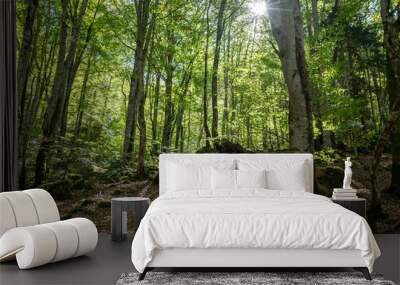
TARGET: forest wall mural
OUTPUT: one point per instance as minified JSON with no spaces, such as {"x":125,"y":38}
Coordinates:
{"x":105,"y":86}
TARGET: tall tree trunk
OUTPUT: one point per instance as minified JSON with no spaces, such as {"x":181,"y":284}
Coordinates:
{"x":179,"y":118}
{"x":154,"y":125}
{"x":142,"y":132}
{"x":131,"y":116}
{"x":75,"y":57}
{"x":25,"y":103}
{"x":205,"y":81}
{"x":169,"y":107}
{"x":225,"y":114}
{"x":68,"y":89}
{"x":390,"y":14}
{"x":136,"y":84}
{"x":265,"y":131}
{"x":214,"y":74}
{"x":380,"y":93}
{"x":189,"y":129}
{"x":287,"y":29}
{"x":82,"y":97}
{"x":89,"y":124}
{"x":232,"y":130}
{"x":368,"y":94}
{"x":29,"y":119}
{"x":315,"y":16}
{"x":179,"y":126}
{"x":105,"y":112}
{"x":55,"y":101}
{"x":308,"y":20}
{"x":278,"y":141}
{"x":248,"y":132}
{"x":142,"y":95}
{"x":315,"y":90}
{"x":25,"y":57}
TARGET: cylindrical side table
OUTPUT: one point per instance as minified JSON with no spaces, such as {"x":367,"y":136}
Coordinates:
{"x":120,"y":207}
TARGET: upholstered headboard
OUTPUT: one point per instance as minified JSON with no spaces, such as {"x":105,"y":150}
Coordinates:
{"x":211,"y":158}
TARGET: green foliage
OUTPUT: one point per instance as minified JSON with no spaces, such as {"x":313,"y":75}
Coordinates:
{"x":326,"y":157}
{"x":346,"y":68}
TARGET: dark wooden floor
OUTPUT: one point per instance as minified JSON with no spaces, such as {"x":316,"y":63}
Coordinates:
{"x":103,"y":266}
{"x":110,"y":260}
{"x":389,"y":262}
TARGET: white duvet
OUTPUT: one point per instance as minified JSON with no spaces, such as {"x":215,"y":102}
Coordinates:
{"x":252,"y":218}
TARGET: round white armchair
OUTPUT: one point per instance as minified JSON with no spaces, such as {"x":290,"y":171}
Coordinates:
{"x":31,"y":230}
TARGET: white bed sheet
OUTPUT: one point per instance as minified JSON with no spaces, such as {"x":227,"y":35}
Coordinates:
{"x":252,"y":218}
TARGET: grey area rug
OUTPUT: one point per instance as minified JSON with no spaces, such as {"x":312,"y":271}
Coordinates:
{"x":269,"y":278}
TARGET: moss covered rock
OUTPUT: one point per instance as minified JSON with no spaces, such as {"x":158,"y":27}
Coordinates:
{"x":328,"y":178}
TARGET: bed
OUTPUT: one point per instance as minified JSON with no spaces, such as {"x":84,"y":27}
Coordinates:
{"x":247,"y":211}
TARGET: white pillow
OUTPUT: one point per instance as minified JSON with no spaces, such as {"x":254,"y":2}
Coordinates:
{"x":223,"y":179}
{"x":281,"y":174}
{"x":183,"y":177}
{"x":251,"y":178}
{"x":287,"y":176}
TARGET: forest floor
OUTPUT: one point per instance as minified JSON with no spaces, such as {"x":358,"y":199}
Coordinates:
{"x":95,"y":204}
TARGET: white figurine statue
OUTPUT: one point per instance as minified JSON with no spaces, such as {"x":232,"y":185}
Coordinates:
{"x":347,"y":174}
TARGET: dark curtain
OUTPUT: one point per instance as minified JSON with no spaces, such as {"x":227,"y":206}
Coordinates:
{"x":8,"y":97}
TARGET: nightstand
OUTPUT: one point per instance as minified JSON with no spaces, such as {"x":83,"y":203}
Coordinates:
{"x":120,"y":207}
{"x":358,"y":205}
